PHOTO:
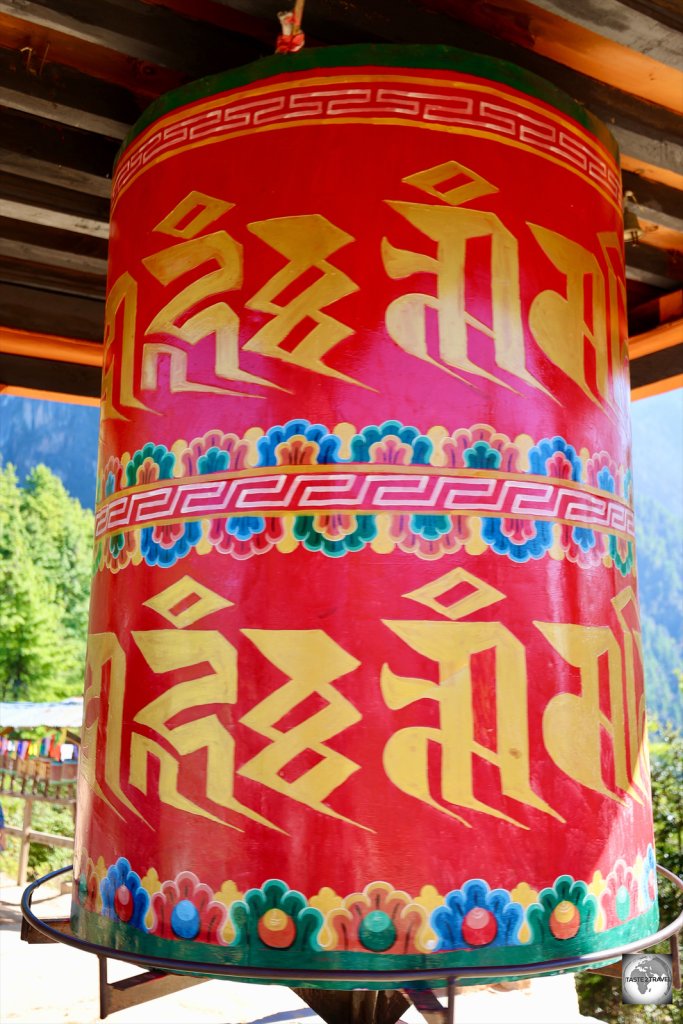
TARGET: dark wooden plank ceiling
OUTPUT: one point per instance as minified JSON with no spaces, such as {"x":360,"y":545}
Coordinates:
{"x":75,"y":74}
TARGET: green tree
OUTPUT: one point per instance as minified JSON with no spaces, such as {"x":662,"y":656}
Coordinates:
{"x":45,"y":538}
{"x":666,"y":753}
{"x":601,"y":996}
{"x":28,"y":620}
{"x":60,"y":534}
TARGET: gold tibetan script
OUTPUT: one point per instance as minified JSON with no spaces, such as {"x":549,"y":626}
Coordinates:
{"x":572,"y":724}
{"x":306,"y":242}
{"x":453,"y":227}
{"x":191,"y":717}
{"x":311,"y":660}
{"x":187,"y":316}
{"x":579,"y":328}
{"x":451,"y":645}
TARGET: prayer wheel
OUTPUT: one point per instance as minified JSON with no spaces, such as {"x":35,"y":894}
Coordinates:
{"x":364,"y":684}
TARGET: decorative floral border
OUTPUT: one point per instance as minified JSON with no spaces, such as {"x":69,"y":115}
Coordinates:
{"x":428,"y":536}
{"x":275,"y":921}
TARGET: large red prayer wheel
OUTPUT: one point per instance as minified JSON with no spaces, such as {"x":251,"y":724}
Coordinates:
{"x":364,"y":686}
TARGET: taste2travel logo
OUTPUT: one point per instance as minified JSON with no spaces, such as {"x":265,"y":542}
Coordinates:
{"x":647,"y":979}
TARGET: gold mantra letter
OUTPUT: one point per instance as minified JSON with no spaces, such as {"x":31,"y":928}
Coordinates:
{"x":105,"y":657}
{"x":121,"y":309}
{"x":306,"y":241}
{"x":167,"y":651}
{"x":453,"y":228}
{"x":637,"y":722}
{"x":311,"y":660}
{"x":217,"y":319}
{"x":452,"y":646}
{"x":563,"y":324}
{"x":613,"y":252}
{"x":572,"y":723}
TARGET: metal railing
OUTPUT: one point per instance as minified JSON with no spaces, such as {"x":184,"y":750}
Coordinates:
{"x":395,"y":978}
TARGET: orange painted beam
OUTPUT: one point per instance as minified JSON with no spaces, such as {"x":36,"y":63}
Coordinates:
{"x":660,"y":237}
{"x":652,"y":173}
{"x":658,"y":311}
{"x":658,"y":387}
{"x":49,"y":346}
{"x":47,"y":396}
{"x":664,"y":336}
{"x":576,"y":47}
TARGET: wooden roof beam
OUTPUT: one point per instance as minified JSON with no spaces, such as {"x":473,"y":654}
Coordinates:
{"x":25,"y":190}
{"x":659,"y":338}
{"x":53,"y":218}
{"x":84,"y":22}
{"x":660,"y":267}
{"x":651,"y":144}
{"x":57,"y":145}
{"x":645,"y":169}
{"x":68,"y":242}
{"x":60,"y":94}
{"x":650,"y":315}
{"x":657,"y":372}
{"x":51,"y":278}
{"x":623,"y":23}
{"x":46,"y":257}
{"x":71,"y":116}
{"x":53,"y":174}
{"x":48,"y":376}
{"x":39,"y":310}
{"x":645,"y":130}
{"x":218,"y":14}
{"x":147,"y":33}
{"x":656,"y":346}
{"x":588,"y":45}
{"x":668,"y":12}
{"x":658,"y":203}
{"x":145,"y":79}
{"x":656,"y":387}
{"x":660,"y":237}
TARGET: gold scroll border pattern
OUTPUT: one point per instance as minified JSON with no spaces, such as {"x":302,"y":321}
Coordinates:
{"x":469,"y":108}
{"x":329,"y":490}
{"x":286,"y":463}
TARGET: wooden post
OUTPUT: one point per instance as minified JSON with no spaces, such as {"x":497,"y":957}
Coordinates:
{"x":25,"y":841}
{"x":361,"y":1007}
{"x":450,"y":1018}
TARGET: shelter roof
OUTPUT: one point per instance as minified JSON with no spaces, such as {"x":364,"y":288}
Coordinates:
{"x":76,"y":75}
{"x":65,"y":714}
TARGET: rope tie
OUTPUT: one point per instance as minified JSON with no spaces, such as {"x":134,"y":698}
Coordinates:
{"x":291,"y":37}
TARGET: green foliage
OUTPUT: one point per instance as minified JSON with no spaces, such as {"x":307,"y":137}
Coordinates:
{"x":667,"y":805}
{"x":45,"y":545}
{"x":599,"y":996}
{"x":47,"y":817}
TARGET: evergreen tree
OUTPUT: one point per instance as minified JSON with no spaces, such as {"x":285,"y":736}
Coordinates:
{"x":60,"y":534}
{"x":45,"y":539}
